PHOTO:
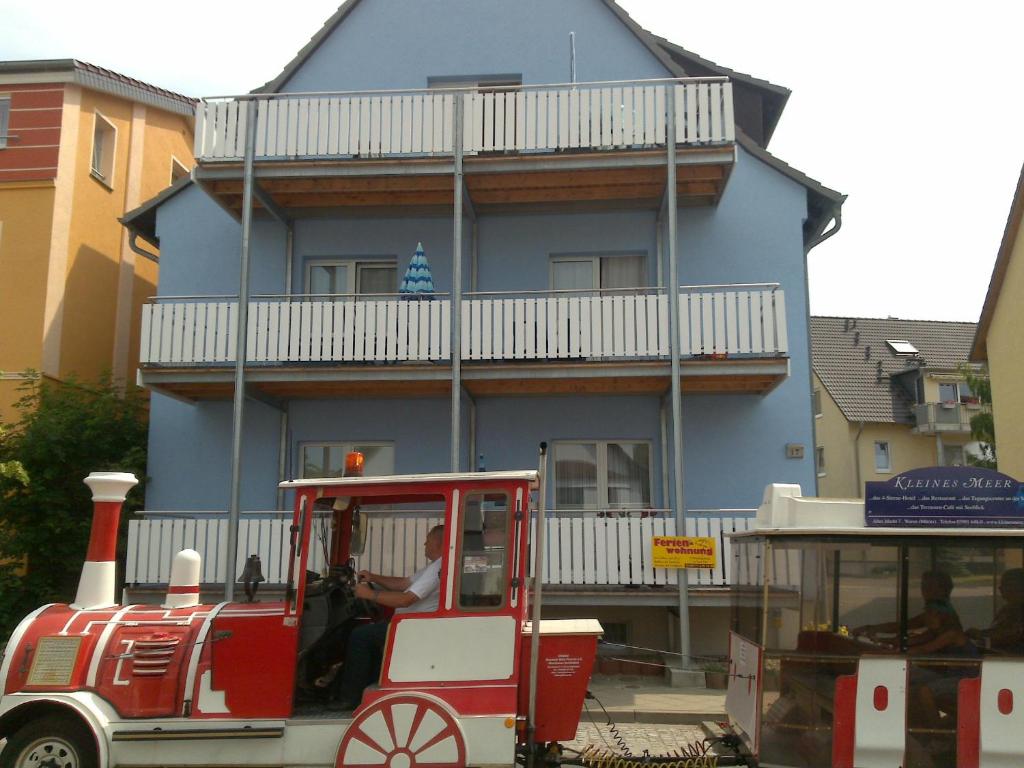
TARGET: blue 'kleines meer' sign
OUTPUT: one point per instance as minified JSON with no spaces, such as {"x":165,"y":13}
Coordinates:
{"x":946,"y":497}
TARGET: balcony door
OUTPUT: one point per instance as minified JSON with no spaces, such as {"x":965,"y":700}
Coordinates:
{"x":602,"y":475}
{"x":598,"y":272}
{"x":351,"y":277}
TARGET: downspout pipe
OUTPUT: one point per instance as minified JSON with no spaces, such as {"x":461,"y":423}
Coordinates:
{"x":856,"y":460}
{"x":837,"y":218}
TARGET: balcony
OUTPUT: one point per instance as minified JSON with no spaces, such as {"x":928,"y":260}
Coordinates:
{"x":586,"y":552}
{"x":732,"y":338}
{"x":930,"y":418}
{"x":581,"y":143}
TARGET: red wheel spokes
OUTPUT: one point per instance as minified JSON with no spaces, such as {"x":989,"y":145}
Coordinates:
{"x":414,"y":727}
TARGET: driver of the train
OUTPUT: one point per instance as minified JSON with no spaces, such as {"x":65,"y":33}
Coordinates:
{"x":1006,"y":634}
{"x":406,"y":594}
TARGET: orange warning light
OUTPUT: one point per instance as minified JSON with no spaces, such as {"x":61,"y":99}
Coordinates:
{"x":354,"y":464}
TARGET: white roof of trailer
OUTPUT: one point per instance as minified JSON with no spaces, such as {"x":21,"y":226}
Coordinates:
{"x":531,"y":476}
{"x":866,"y":532}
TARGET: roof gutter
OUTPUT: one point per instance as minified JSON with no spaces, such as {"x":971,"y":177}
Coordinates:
{"x":133,"y":235}
{"x":837,"y":218}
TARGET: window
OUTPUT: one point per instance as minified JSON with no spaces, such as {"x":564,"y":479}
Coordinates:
{"x":600,"y":475}
{"x":178,"y":170}
{"x":489,"y":82}
{"x":593,"y":272}
{"x":949,"y":393}
{"x":351,"y":277}
{"x":953,"y":456}
{"x":819,"y":458}
{"x":883,"y":458}
{"x":901,"y":347}
{"x":5,"y":119}
{"x":484,"y":539}
{"x":104,"y":138}
{"x":328,"y":459}
{"x":816,"y":401}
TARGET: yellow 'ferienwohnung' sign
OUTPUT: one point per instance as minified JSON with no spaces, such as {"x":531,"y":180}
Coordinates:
{"x":683,"y":552}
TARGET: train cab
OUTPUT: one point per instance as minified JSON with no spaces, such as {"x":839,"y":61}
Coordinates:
{"x":464,"y":678}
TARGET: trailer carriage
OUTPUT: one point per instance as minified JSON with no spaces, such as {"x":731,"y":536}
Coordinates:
{"x":832,"y":658}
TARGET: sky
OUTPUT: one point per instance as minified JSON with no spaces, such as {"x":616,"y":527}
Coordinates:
{"x":913,"y":109}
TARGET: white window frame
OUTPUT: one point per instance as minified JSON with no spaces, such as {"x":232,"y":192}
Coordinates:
{"x":354,"y":268}
{"x":602,"y":503}
{"x":102,"y":175}
{"x":347,"y":447}
{"x":888,"y":452}
{"x":5,"y":119}
{"x":595,"y":271}
{"x":184,"y":169}
{"x":816,"y":403}
{"x":819,"y":461}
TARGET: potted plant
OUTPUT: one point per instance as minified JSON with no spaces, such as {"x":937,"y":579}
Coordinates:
{"x":716,"y":675}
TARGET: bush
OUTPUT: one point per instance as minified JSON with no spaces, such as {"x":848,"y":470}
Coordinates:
{"x":65,"y":431}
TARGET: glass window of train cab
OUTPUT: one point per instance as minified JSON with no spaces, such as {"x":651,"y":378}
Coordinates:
{"x":483,"y":566}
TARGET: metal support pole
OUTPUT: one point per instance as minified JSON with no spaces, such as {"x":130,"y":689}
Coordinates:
{"x":282,"y":458}
{"x":677,"y":395}
{"x":538,"y":581}
{"x":234,"y":508}
{"x":457,"y":289}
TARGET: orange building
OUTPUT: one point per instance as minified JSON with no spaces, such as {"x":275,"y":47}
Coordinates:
{"x":79,"y":146}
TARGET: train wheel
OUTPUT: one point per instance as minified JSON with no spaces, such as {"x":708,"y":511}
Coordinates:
{"x":56,"y":741}
{"x":403,"y":732}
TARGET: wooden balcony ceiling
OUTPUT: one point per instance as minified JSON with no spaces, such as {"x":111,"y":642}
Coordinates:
{"x":742,"y":377}
{"x":492,"y":183}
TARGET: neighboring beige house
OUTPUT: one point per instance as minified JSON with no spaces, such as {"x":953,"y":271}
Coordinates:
{"x":1000,"y":341}
{"x":889,"y":395}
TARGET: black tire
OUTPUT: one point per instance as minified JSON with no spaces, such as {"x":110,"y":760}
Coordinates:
{"x":53,"y":741}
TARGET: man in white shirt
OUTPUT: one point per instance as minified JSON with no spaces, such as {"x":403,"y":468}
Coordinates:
{"x":406,"y":594}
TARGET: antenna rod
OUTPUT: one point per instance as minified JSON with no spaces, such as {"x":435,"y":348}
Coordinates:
{"x":572,"y":57}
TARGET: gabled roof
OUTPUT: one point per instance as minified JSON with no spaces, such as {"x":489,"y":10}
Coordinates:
{"x":97,"y":79}
{"x":979,"y":350}
{"x":773,"y":97}
{"x":854,"y":363}
{"x":142,"y":220}
{"x":823,"y":203}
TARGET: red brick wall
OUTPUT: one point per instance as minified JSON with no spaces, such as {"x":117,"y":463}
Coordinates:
{"x":33,"y":132}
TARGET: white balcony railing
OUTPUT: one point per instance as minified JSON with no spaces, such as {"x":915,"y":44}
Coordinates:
{"x":582,"y":549}
{"x":613,"y":115}
{"x":739,"y":321}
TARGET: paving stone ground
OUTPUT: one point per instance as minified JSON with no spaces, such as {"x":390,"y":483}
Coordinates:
{"x":656,"y":739}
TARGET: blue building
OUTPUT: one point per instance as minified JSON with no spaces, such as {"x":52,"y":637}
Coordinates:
{"x":552,"y":159}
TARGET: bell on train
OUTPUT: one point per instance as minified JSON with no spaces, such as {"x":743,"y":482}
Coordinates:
{"x":251,"y":576}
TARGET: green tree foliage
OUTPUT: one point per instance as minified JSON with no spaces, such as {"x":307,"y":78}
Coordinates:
{"x":65,"y":431}
{"x":982,"y":424}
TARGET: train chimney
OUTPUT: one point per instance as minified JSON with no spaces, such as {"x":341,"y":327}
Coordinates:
{"x":96,"y":587}
{"x":183,"y":590}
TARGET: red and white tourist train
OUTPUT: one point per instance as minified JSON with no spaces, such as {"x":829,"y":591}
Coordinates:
{"x":886,"y":633}
{"x":95,"y":684}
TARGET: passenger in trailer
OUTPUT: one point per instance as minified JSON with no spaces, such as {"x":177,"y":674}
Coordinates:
{"x":405,"y":594}
{"x":1006,"y":634}
{"x":937,"y":629}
